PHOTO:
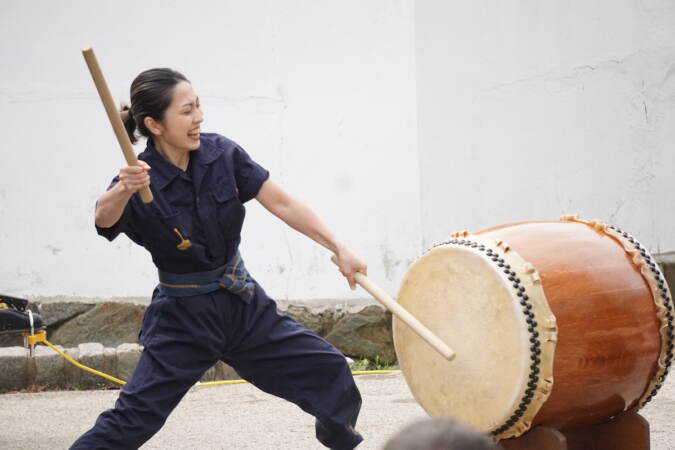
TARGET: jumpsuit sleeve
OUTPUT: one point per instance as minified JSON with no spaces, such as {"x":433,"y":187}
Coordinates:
{"x":249,"y":175}
{"x":123,"y":225}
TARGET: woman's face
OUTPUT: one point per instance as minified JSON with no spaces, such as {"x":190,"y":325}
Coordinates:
{"x":180,"y":126}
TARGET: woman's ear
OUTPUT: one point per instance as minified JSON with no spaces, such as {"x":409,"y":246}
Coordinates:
{"x":154,"y":126}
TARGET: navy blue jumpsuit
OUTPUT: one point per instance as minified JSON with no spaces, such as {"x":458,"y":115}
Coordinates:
{"x":183,"y":336}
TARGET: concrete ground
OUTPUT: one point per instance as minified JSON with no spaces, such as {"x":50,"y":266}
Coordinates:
{"x":241,"y":417}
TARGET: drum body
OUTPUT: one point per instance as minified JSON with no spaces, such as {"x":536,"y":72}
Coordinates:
{"x":559,"y":323}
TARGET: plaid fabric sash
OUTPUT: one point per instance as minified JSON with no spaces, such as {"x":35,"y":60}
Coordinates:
{"x":232,"y":276}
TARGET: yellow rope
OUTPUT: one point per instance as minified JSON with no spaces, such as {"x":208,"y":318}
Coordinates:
{"x":216,"y":383}
{"x":42,"y":337}
{"x":82,"y":366}
{"x":374,"y":372}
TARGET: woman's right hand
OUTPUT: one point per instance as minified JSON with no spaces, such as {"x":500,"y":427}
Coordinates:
{"x":111,"y":203}
{"x":135,"y":178}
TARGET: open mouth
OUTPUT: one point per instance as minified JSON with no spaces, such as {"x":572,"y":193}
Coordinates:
{"x":194,"y":134}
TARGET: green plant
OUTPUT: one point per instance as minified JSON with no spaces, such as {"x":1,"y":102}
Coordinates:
{"x":375,"y":364}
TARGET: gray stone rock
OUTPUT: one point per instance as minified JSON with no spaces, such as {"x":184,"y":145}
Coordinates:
{"x":72,"y":373}
{"x":225,"y":372}
{"x":209,"y":375}
{"x":320,"y":320}
{"x":91,"y":355}
{"x":362,"y":331}
{"x":220,"y":371}
{"x":11,"y":340}
{"x":49,"y":368}
{"x":365,"y":333}
{"x":228,"y":372}
{"x":110,"y":365}
{"x":127,"y":358}
{"x":13,"y":368}
{"x":53,"y":314}
{"x":110,"y":324}
{"x":59,"y":312}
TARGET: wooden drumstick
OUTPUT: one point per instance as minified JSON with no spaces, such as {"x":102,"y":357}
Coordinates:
{"x":402,"y":314}
{"x":114,"y":116}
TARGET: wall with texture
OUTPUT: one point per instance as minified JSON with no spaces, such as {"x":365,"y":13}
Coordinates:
{"x":320,"y":93}
{"x":397,"y":121}
{"x":530,"y":110}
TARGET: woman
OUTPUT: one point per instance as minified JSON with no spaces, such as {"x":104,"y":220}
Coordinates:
{"x":207,"y":307}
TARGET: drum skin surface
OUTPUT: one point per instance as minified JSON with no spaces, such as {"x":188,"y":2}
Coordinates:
{"x":481,"y":325}
{"x":603,"y":355}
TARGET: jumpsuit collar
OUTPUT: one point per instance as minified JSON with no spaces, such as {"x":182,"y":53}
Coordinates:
{"x":164,"y":172}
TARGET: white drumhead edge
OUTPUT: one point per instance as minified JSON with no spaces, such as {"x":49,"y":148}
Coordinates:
{"x":546,"y":328}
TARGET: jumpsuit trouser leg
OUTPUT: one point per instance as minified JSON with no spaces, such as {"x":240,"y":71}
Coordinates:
{"x":144,"y":404}
{"x":173,"y":360}
{"x":184,"y":337}
{"x":281,"y":357}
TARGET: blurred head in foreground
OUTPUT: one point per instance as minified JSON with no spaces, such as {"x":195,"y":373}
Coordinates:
{"x":439,"y":434}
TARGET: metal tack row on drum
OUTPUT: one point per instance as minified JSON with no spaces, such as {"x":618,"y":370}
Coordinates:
{"x":563,"y":323}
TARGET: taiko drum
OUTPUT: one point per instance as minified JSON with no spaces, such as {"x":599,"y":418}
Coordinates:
{"x":564,"y":323}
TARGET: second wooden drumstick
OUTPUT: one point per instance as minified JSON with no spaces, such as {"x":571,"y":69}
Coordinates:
{"x":114,"y":116}
{"x":403,"y":314}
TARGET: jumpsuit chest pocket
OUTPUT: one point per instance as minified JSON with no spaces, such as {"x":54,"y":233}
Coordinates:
{"x":228,"y":211}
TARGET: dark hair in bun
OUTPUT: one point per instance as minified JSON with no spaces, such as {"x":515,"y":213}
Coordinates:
{"x":151,"y":93}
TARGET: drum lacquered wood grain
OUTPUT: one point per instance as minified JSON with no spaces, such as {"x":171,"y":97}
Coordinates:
{"x":564,"y":323}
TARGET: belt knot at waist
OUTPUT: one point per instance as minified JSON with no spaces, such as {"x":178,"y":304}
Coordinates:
{"x":232,"y":277}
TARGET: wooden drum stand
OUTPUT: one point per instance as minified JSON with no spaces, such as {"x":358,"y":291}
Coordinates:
{"x":626,"y":431}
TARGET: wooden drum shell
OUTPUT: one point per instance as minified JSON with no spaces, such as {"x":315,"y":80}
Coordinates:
{"x":608,"y":331}
{"x":580,"y":306}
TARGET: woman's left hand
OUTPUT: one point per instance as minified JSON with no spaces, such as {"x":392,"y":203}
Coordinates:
{"x":349,"y":264}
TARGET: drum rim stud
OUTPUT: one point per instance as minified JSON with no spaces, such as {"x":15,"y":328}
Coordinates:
{"x":659,"y":290}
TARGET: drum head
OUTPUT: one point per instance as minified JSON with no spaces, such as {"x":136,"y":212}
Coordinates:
{"x":466,"y":298}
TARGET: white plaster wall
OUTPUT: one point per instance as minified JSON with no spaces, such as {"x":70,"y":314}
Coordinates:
{"x":321,"y":93}
{"x":532,"y":109}
{"x":397,"y":121}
